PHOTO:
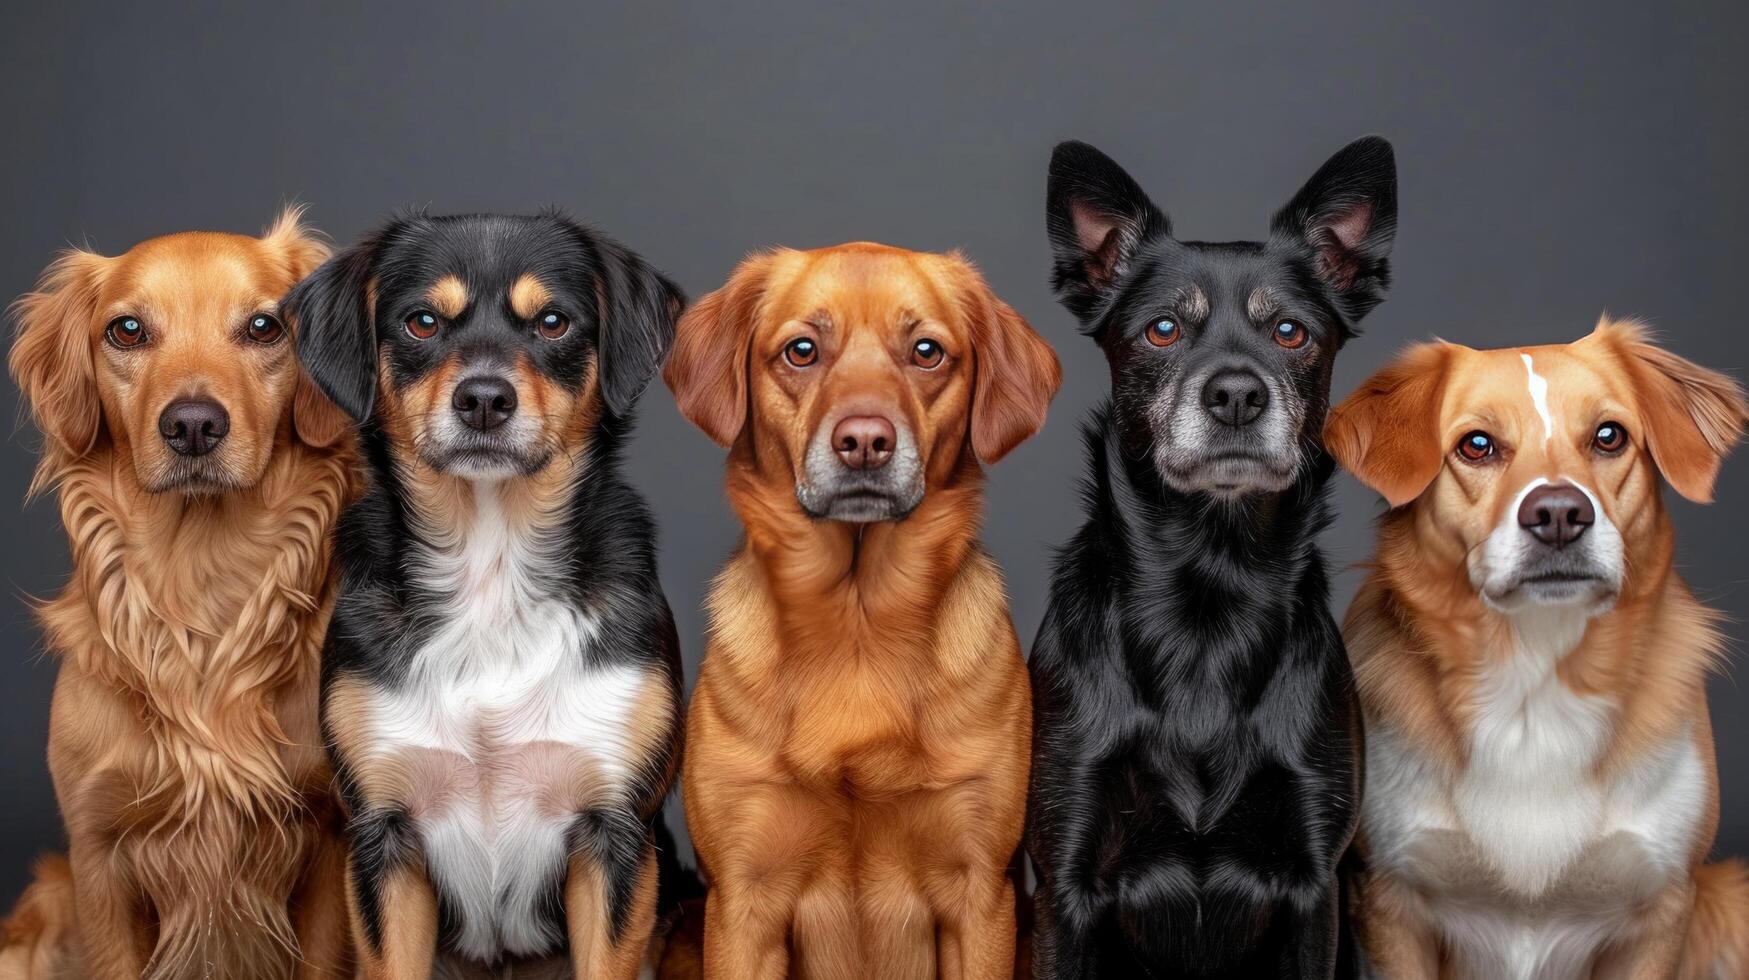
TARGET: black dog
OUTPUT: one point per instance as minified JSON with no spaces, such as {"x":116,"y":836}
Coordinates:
{"x":501,"y":682}
{"x":1195,"y":759}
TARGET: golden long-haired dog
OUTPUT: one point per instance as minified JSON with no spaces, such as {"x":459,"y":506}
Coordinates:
{"x":199,"y":476}
{"x":859,"y":738}
{"x":1541,"y":789}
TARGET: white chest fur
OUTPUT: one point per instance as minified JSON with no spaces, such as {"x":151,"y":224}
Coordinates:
{"x":502,"y":731}
{"x":1531,"y":858}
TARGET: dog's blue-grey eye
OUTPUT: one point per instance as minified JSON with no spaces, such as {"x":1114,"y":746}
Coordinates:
{"x":552,"y":324}
{"x":1163,"y":333}
{"x":1290,"y":334}
{"x":125,"y":332}
{"x":422,"y":325}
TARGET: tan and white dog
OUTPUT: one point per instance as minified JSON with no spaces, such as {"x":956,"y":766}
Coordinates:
{"x":1541,"y":790}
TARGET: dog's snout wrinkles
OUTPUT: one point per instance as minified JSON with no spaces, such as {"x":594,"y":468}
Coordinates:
{"x":1556,"y":513}
{"x":1235,"y":397}
{"x":485,"y":403}
{"x":194,"y":426}
{"x":864,"y":442}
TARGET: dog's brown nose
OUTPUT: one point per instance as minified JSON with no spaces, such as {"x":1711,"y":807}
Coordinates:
{"x":484,"y":403}
{"x":864,"y":442}
{"x":1556,"y":513}
{"x":193,"y":426}
{"x":1235,"y":397}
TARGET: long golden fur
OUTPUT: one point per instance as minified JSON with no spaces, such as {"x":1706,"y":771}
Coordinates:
{"x":1426,"y":644}
{"x":858,"y":742}
{"x":183,"y":741}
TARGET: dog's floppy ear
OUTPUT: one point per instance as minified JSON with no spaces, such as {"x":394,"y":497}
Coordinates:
{"x":316,"y":420}
{"x":1015,"y":373}
{"x":1096,"y":216}
{"x":1347,"y":214}
{"x":1692,"y":415}
{"x":708,"y":369}
{"x":1387,"y":432}
{"x":52,"y":361}
{"x":639,"y":307}
{"x":332,"y":316}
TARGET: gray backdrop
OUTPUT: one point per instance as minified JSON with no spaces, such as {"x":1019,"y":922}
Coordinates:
{"x":1554,"y":164}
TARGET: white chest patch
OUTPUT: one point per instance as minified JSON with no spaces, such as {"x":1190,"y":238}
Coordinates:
{"x":501,"y":733}
{"x":1530,"y":859}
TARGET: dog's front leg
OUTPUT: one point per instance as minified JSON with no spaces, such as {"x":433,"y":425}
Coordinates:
{"x":982,"y":932}
{"x":1060,"y":947}
{"x":1654,"y":950}
{"x":112,"y":921}
{"x":1316,"y":935}
{"x":746,"y":933}
{"x":319,"y":913}
{"x":610,"y":895}
{"x":1394,"y":944}
{"x":391,"y":902}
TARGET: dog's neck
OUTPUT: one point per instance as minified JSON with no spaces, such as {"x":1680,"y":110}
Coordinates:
{"x":887,"y":575}
{"x":1419,"y":621}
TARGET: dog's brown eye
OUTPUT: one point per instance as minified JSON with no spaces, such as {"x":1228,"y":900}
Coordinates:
{"x":552,"y":324}
{"x":1163,"y":333}
{"x":801,"y":352}
{"x":422,"y":325}
{"x":1290,"y":334}
{"x":125,"y":332}
{"x":927,"y":353}
{"x":1476,"y":446}
{"x":1610,"y":439}
{"x":265,"y":328}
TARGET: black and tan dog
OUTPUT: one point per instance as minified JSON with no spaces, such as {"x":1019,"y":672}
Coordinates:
{"x":1195,"y":766}
{"x":501,"y":686}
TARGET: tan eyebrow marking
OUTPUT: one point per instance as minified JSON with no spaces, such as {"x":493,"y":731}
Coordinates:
{"x":448,"y":297}
{"x":528,"y":296}
{"x":1196,"y":304}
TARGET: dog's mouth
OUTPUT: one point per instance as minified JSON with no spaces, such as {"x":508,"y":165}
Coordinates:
{"x":1230,"y":473}
{"x":863,"y":503}
{"x":483,"y":460}
{"x":202,"y":477}
{"x":1557,"y":587}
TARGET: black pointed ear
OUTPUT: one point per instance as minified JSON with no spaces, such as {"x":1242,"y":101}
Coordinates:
{"x":1096,"y":216}
{"x":1347,"y":215}
{"x":333,"y":318}
{"x":639,"y":307}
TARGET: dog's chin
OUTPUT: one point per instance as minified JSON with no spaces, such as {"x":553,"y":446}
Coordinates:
{"x":485,"y":463}
{"x":1586,"y":591}
{"x":204,"y":477}
{"x":855,"y":505}
{"x":1228,"y":475}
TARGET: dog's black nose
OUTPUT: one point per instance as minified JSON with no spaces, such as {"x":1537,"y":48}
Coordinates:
{"x":1235,"y":397}
{"x":485,"y":403}
{"x":194,"y":426}
{"x":864,"y":442}
{"x":1556,"y":513}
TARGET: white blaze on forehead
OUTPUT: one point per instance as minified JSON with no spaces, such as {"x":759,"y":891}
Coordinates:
{"x":1539,"y":397}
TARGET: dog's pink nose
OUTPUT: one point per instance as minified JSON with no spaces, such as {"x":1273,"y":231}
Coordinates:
{"x":864,"y":442}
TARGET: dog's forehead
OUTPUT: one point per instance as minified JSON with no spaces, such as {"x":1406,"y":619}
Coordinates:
{"x":192,"y":273}
{"x":864,"y":283}
{"x":1543,"y":389}
{"x":487,"y":255}
{"x":1224,"y":274}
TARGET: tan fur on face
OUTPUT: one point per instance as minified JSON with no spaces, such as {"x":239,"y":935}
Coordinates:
{"x":528,"y":296}
{"x":448,"y":297}
{"x":1426,"y":646}
{"x":184,"y":745}
{"x":858,"y":741}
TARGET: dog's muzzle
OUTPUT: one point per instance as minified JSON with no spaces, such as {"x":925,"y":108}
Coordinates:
{"x":1555,"y":547}
{"x":1229,"y":431}
{"x":861,"y":468}
{"x":483,"y":435}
